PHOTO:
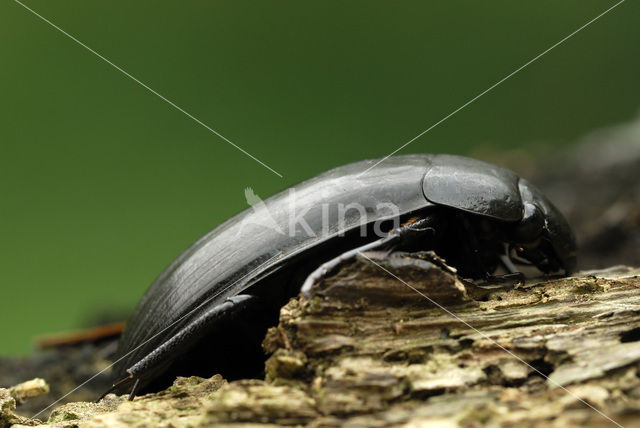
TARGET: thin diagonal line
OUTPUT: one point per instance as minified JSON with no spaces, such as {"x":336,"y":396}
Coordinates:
{"x":154,"y":336}
{"x":522,"y":67}
{"x":171,"y":103}
{"x":492,"y":341}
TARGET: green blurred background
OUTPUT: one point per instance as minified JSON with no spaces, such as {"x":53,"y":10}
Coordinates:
{"x":103,"y":184}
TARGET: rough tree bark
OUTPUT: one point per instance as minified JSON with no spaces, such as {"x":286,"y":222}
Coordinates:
{"x":400,"y":340}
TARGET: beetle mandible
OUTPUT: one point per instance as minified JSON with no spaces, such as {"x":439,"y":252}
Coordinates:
{"x":209,"y":310}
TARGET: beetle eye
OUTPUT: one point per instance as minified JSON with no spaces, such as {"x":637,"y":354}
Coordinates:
{"x":531,"y":225}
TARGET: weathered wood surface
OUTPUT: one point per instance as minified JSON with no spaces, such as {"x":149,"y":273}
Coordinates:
{"x":369,"y":350}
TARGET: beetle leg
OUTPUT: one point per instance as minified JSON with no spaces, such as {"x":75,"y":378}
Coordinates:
{"x":513,"y":272}
{"x":116,"y":386}
{"x":184,"y":339}
{"x":404,"y":236}
{"x":512,"y":275}
{"x":506,"y":262}
{"x":134,"y":389}
{"x":516,"y":277}
{"x":473,"y":246}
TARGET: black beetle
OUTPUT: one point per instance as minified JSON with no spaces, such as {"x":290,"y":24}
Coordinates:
{"x":209,"y":310}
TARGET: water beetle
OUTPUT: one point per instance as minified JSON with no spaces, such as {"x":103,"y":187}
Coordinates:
{"x":209,"y":310}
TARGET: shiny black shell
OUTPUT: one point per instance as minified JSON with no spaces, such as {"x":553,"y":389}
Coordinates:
{"x":246,"y":250}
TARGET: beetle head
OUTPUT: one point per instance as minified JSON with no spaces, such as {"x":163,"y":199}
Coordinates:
{"x":543,"y":236}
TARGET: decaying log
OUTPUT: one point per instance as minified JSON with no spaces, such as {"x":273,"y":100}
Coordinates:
{"x":400,"y":340}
